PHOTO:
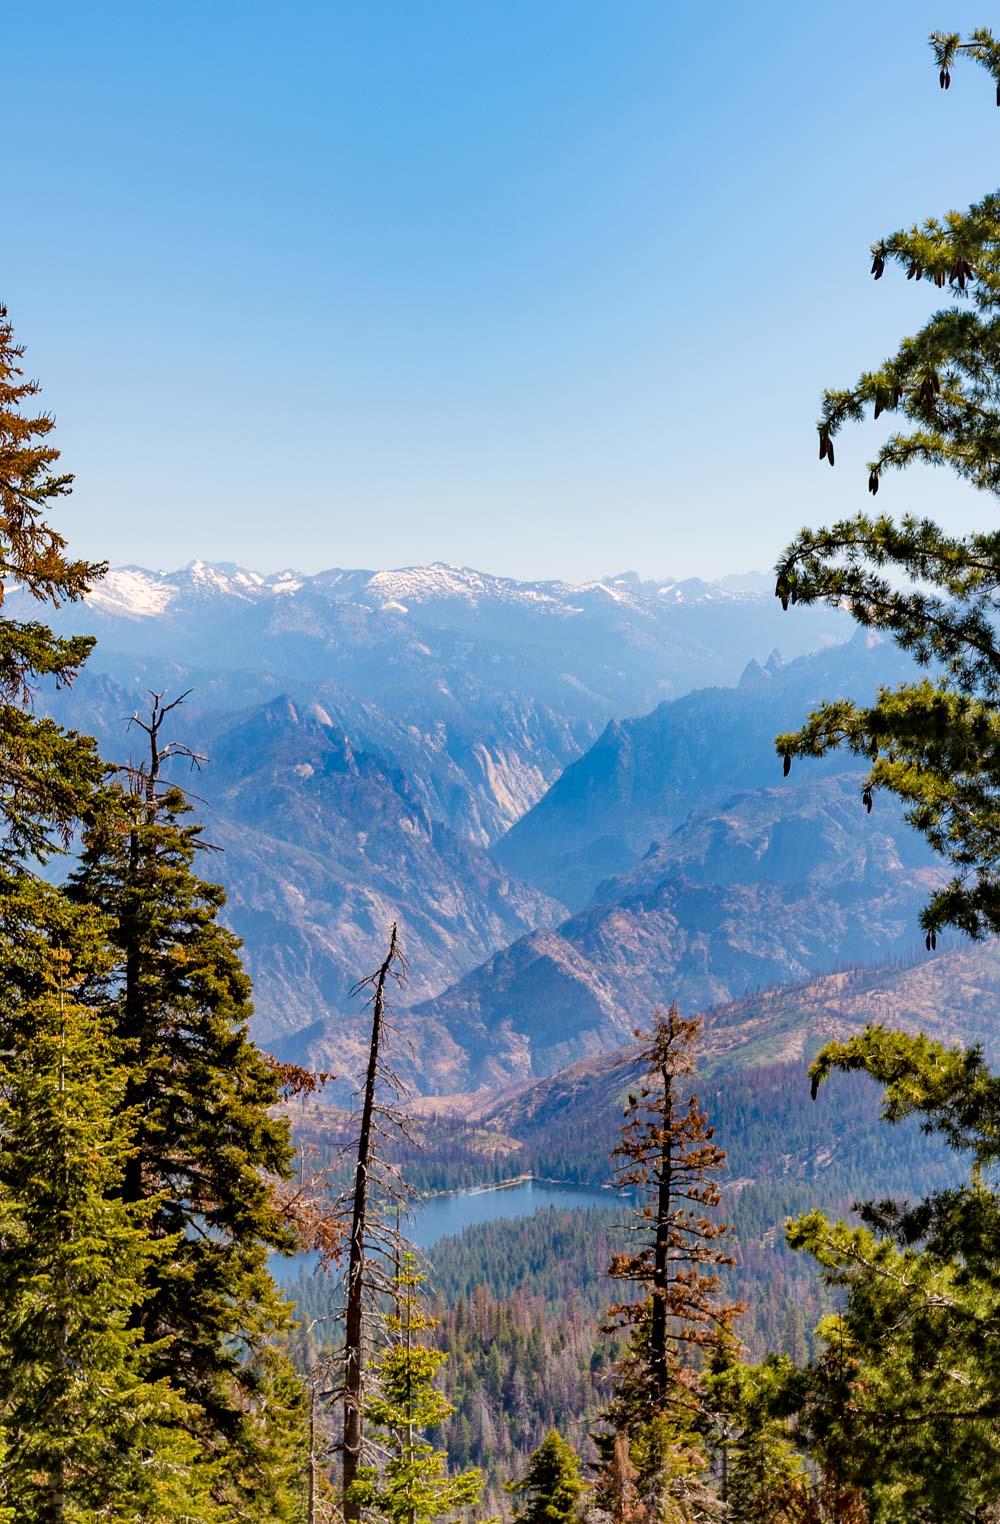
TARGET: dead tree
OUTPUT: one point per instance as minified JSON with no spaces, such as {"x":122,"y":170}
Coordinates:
{"x":392,"y":968}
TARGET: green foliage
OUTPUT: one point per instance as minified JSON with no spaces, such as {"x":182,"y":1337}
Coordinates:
{"x":902,"y":1404}
{"x":46,"y":775}
{"x":932,"y":743}
{"x":142,"y":1376}
{"x":85,"y":1419}
{"x":414,"y":1484}
{"x":206,"y":1149}
{"x":551,"y":1488}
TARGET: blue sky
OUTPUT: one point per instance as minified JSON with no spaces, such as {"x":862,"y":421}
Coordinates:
{"x":549,"y":287}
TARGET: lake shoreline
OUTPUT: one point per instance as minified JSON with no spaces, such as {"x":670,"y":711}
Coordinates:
{"x":513,"y":1182}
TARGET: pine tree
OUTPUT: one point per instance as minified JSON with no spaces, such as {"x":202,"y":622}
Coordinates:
{"x":90,"y":1431}
{"x":901,"y":1405}
{"x":207,"y":1150}
{"x":46,"y":774}
{"x":763,"y":1478}
{"x":414,"y":1485}
{"x":933,"y":743}
{"x":551,"y":1489}
{"x":668,"y":1155}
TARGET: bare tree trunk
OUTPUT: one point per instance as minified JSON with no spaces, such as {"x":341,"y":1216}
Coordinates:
{"x":354,"y":1319}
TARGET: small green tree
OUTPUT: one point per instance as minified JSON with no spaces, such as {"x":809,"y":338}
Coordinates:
{"x":551,"y":1489}
{"x":414,"y":1485}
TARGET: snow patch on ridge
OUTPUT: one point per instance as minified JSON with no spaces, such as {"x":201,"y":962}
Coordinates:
{"x":133,"y":593}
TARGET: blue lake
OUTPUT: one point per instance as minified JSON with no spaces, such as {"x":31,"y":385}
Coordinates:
{"x":453,"y":1211}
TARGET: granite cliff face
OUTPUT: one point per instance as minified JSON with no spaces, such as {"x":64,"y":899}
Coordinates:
{"x":323,"y":844}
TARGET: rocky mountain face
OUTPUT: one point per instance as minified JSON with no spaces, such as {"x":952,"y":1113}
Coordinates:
{"x":953,"y":996}
{"x":453,"y":751}
{"x":644,"y":776}
{"x":774,"y":885}
{"x":322,"y":845}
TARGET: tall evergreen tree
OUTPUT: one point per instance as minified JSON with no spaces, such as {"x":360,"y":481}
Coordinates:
{"x":933,"y":743}
{"x":46,"y":774}
{"x":668,"y":1155}
{"x":183,"y":1078}
{"x":206,"y":1147}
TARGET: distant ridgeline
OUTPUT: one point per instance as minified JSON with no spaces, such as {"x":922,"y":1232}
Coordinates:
{"x":454,"y":750}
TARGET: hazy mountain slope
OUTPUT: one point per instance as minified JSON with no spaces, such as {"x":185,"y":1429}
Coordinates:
{"x":953,"y":995}
{"x":777,"y":884}
{"x":482,"y":688}
{"x":642,"y":776}
{"x":326,"y":844}
{"x":323,"y":845}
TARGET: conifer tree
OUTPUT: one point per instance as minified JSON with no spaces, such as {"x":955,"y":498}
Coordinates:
{"x":90,"y":1432}
{"x":934,"y":743}
{"x":46,"y":774}
{"x":901,"y":1407}
{"x":414,"y":1486}
{"x":668,"y":1155}
{"x":550,"y":1492}
{"x":207,"y":1150}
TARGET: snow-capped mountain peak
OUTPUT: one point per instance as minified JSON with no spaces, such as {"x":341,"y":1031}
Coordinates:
{"x":133,"y":592}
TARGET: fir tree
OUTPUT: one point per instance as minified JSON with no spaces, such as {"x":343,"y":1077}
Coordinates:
{"x":551,"y":1489}
{"x":668,"y":1155}
{"x":902,"y":1404}
{"x":414,"y":1485}
{"x":933,"y":743}
{"x":46,"y":774}
{"x":207,"y":1150}
{"x":90,"y":1431}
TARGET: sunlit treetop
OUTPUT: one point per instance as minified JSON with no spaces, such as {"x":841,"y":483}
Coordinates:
{"x":32,"y":553}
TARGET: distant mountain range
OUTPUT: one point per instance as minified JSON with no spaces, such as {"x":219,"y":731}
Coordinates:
{"x":460,"y":752}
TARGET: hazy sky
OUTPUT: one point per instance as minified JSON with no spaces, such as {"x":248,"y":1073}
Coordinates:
{"x":549,"y":287}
